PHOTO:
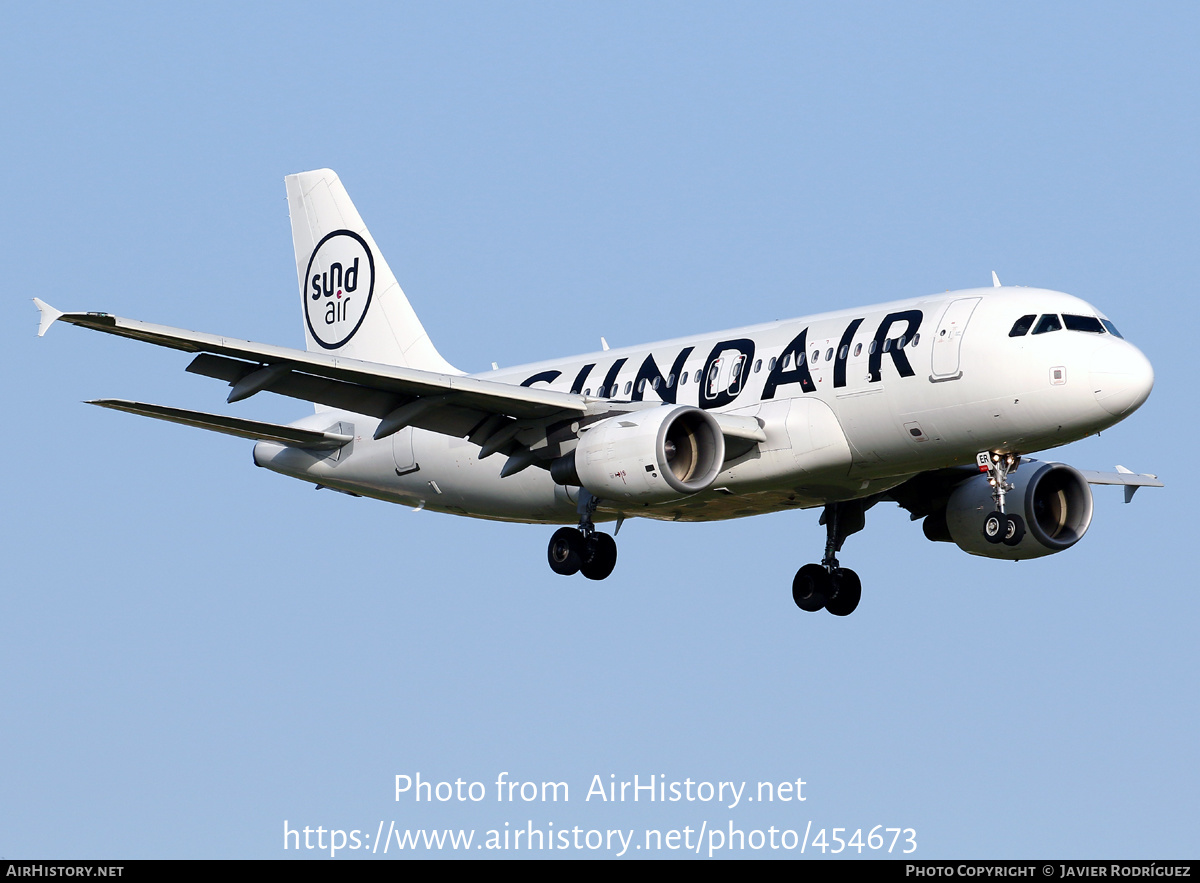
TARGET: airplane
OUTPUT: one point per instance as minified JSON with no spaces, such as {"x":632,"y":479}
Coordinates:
{"x":932,"y":403}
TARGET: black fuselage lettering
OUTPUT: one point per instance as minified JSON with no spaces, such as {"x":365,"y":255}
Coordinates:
{"x":649,"y":373}
{"x":581,"y":377}
{"x":792,"y":366}
{"x":541,"y":377}
{"x":610,"y":379}
{"x":899,"y":357}
{"x":797,"y":372}
{"x":843,"y":353}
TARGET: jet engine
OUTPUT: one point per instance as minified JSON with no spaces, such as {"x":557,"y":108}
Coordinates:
{"x":1053,"y":499}
{"x":650,"y":456}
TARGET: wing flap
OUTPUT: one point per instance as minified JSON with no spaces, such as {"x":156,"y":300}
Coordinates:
{"x":301,"y":385}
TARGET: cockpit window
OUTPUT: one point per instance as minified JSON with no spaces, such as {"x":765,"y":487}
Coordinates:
{"x":1083,"y":323}
{"x":1022,"y":326}
{"x":1048,"y":322}
{"x":1112,"y":329}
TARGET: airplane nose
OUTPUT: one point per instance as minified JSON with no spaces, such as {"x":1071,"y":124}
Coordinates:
{"x":1121,"y":377}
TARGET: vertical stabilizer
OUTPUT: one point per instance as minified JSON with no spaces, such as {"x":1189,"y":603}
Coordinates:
{"x":352,"y":304}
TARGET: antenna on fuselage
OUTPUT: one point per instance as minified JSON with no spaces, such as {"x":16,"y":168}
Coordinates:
{"x":995,"y":280}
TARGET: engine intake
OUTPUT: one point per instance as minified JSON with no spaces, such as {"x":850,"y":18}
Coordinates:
{"x":650,"y":456}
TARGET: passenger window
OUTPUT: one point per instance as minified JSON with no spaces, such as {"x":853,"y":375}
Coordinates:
{"x":1048,"y":322}
{"x":771,"y":364}
{"x":815,"y":357}
{"x":642,"y":385}
{"x":628,"y":386}
{"x":758,"y":366}
{"x":871,"y":349}
{"x":857,"y":350}
{"x":887,"y":345}
{"x":1083,"y":323}
{"x":683,"y":379}
{"x":787,"y":361}
{"x":842,"y":353}
{"x":916,"y":339}
{"x":1022,"y":326}
{"x":800,"y":359}
{"x":829,"y":355}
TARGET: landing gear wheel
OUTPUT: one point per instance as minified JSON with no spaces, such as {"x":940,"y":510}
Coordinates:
{"x":995,"y":526}
{"x":565,"y":552}
{"x":1015,"y":530}
{"x":847,"y":591}
{"x":599,"y":556}
{"x":811,"y":586}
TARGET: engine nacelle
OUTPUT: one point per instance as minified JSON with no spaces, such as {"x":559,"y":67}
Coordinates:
{"x":650,"y":456}
{"x":1053,"y":499}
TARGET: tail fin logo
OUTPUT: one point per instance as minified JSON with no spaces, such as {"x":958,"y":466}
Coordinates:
{"x":339,"y":283}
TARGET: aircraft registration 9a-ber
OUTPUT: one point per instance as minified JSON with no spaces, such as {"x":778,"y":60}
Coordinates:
{"x":931,"y":403}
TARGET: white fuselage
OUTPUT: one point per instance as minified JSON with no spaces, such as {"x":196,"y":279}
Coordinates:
{"x":882,"y":393}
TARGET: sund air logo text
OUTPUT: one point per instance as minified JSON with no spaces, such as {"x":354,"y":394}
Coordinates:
{"x":339,"y":282}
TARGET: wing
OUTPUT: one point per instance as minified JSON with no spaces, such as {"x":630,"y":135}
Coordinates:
{"x":363,"y":387}
{"x":530,"y":424}
{"x":252,"y":429}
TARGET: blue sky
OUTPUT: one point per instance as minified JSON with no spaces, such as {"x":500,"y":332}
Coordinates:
{"x":196,"y":650}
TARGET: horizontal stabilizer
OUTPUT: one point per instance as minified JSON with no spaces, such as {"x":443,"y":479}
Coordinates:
{"x":1131,"y":481}
{"x":252,"y":429}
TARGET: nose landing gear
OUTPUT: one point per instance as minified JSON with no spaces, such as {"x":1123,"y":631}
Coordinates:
{"x":837,"y":589}
{"x":999,"y":526}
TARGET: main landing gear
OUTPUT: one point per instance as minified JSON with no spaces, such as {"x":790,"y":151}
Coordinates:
{"x":583,"y":549}
{"x":999,"y":526}
{"x":827,"y":585}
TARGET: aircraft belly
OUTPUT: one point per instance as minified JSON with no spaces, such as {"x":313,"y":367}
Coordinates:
{"x":452,"y":478}
{"x":368,"y":472}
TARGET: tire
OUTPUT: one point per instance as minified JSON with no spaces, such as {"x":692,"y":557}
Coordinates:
{"x":565,"y":552}
{"x":994,"y":527}
{"x":847,"y":592}
{"x":810,"y":587}
{"x":599,"y":556}
{"x":1015,"y":531}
